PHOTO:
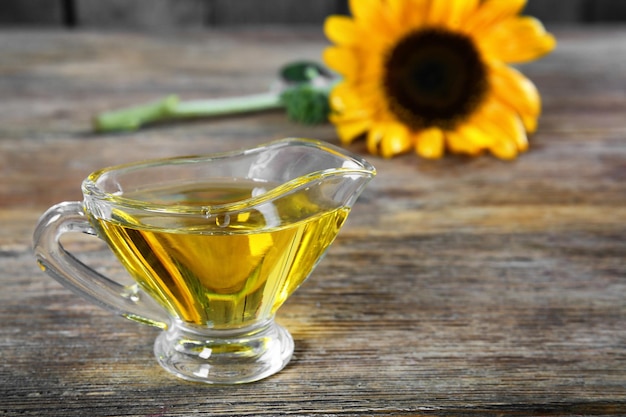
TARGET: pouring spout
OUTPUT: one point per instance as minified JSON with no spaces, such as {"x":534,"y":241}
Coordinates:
{"x":286,"y":160}
{"x":316,"y":175}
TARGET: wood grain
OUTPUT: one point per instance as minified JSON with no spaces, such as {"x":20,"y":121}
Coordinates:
{"x":227,"y":13}
{"x":606,"y":11}
{"x":459,"y":287}
{"x":32,"y":13}
{"x":143,"y":15}
{"x":558,"y":11}
{"x":165,"y":15}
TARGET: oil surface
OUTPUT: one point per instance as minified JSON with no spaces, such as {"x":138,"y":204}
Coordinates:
{"x":222,"y":270}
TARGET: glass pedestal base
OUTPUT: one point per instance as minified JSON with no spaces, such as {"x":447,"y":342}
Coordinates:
{"x":224,"y":356}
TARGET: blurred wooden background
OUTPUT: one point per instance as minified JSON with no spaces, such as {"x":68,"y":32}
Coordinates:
{"x":195,"y":14}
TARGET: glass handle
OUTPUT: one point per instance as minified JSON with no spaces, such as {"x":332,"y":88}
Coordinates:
{"x":128,"y":301}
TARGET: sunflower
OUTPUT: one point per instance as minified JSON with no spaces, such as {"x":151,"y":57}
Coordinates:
{"x":435,"y":76}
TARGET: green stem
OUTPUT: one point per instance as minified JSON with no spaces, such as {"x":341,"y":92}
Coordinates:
{"x":132,"y":118}
{"x":224,"y":106}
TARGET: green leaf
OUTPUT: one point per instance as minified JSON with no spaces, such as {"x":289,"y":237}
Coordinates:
{"x":306,"y":104}
{"x":303,"y":72}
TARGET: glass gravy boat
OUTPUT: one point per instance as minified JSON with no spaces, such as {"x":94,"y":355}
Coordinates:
{"x":215,"y":245}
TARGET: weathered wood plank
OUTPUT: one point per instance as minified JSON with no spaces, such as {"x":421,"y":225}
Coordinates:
{"x":459,"y":287}
{"x":184,"y":14}
{"x":32,"y":12}
{"x":141,"y":14}
{"x":228,"y":12}
{"x":557,"y":10}
{"x":606,"y":11}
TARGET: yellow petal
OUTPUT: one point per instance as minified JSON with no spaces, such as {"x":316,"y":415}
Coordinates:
{"x":504,"y":149}
{"x":414,"y":13}
{"x":429,"y":143}
{"x":476,"y":136}
{"x":503,"y":125}
{"x":458,"y":143}
{"x":343,"y":96}
{"x":349,"y":131}
{"x":521,"y":139}
{"x":516,"y":40}
{"x":343,"y":60}
{"x":490,"y":13}
{"x":374,"y":137}
{"x":341,"y":30}
{"x":407,"y":13}
{"x":367,"y":13}
{"x":349,"y":116}
{"x":451,"y":13}
{"x":513,"y":127}
{"x":513,"y":88}
{"x":348,"y":101}
{"x":346,"y":105}
{"x":395,"y":140}
{"x":437,"y":12}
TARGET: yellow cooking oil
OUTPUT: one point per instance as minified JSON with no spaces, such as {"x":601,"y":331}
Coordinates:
{"x":221,"y":269}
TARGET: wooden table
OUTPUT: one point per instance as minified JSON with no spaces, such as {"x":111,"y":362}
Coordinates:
{"x":462,"y":286}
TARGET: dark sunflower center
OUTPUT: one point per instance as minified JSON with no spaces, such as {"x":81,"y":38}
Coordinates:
{"x":434,"y":77}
